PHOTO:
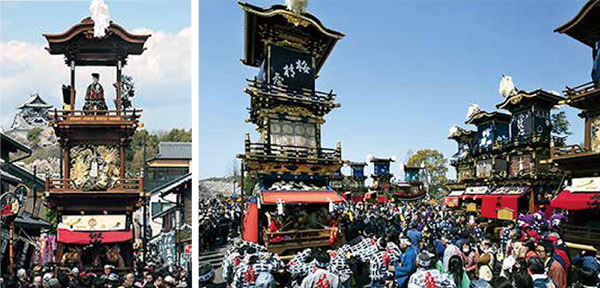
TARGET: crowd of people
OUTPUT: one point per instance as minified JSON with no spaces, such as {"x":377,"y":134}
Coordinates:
{"x":219,"y":221}
{"x":423,"y":245}
{"x":53,"y":275}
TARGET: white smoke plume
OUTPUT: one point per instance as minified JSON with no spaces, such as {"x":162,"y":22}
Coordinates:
{"x":297,"y":6}
{"x":453,"y":130}
{"x":100,"y":16}
{"x":473,"y":109}
{"x":507,"y":87}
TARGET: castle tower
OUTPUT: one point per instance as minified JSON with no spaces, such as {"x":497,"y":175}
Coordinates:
{"x":32,"y":113}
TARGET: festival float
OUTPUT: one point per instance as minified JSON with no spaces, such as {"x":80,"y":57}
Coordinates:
{"x":502,"y":168}
{"x":581,"y":197}
{"x":383,"y":189}
{"x":464,"y":164}
{"x":356,"y":187}
{"x":291,"y":206}
{"x":94,"y":199}
{"x":380,"y":190}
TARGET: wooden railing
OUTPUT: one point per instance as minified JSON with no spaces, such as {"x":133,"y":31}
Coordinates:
{"x":570,"y":150}
{"x":94,"y":116}
{"x":581,"y":234}
{"x":264,"y":150}
{"x":581,"y":89}
{"x":310,"y":94}
{"x":296,"y":239}
{"x":65,"y":185}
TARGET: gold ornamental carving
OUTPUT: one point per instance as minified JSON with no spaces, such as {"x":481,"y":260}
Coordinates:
{"x":94,"y":167}
{"x":296,"y":20}
{"x":292,"y":110}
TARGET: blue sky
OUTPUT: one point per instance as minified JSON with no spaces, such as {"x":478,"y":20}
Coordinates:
{"x":162,"y":74}
{"x":404,"y":73}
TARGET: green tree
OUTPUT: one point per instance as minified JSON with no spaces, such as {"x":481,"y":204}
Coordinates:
{"x":43,"y":153}
{"x":560,"y":124}
{"x":249,"y":184}
{"x":435,"y":167}
{"x":33,"y":136}
{"x":134,"y":154}
{"x":177,"y":135}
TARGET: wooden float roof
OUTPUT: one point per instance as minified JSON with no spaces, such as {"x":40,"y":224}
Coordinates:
{"x":79,"y":44}
{"x":585,"y":26}
{"x":483,"y":116}
{"x":524,"y":98}
{"x":277,"y":15}
{"x":462,"y":133}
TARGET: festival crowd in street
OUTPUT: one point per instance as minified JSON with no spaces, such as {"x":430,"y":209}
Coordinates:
{"x":54,"y":275}
{"x":423,"y":245}
{"x":218,"y":222}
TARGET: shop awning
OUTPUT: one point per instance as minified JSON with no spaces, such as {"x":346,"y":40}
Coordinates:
{"x":27,"y":221}
{"x":98,"y":237}
{"x":296,"y":197}
{"x":576,"y":200}
{"x":505,"y":207}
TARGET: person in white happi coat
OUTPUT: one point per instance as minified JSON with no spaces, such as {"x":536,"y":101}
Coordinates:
{"x":379,"y":264}
{"x":364,"y":249}
{"x":339,"y":266}
{"x":254,"y":264}
{"x":299,"y":266}
{"x":319,"y":276}
{"x":234,"y":255}
{"x":427,"y":276}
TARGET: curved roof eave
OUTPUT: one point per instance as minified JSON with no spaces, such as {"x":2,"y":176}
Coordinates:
{"x":280,"y":10}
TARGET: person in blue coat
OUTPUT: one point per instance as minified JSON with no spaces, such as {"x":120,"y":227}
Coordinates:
{"x":415,"y":237}
{"x":408,"y":261}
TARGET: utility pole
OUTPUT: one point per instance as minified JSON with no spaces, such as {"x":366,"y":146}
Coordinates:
{"x":242,"y":195}
{"x":177,"y":228}
{"x":145,"y":208}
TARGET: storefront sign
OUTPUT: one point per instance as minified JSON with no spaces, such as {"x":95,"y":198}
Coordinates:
{"x":166,"y":247}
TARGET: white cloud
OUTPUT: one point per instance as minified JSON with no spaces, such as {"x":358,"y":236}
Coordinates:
{"x":161,"y":73}
{"x":167,"y":59}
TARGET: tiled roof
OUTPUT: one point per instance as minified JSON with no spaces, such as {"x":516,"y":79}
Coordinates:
{"x":174,"y":150}
{"x":34,"y":101}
